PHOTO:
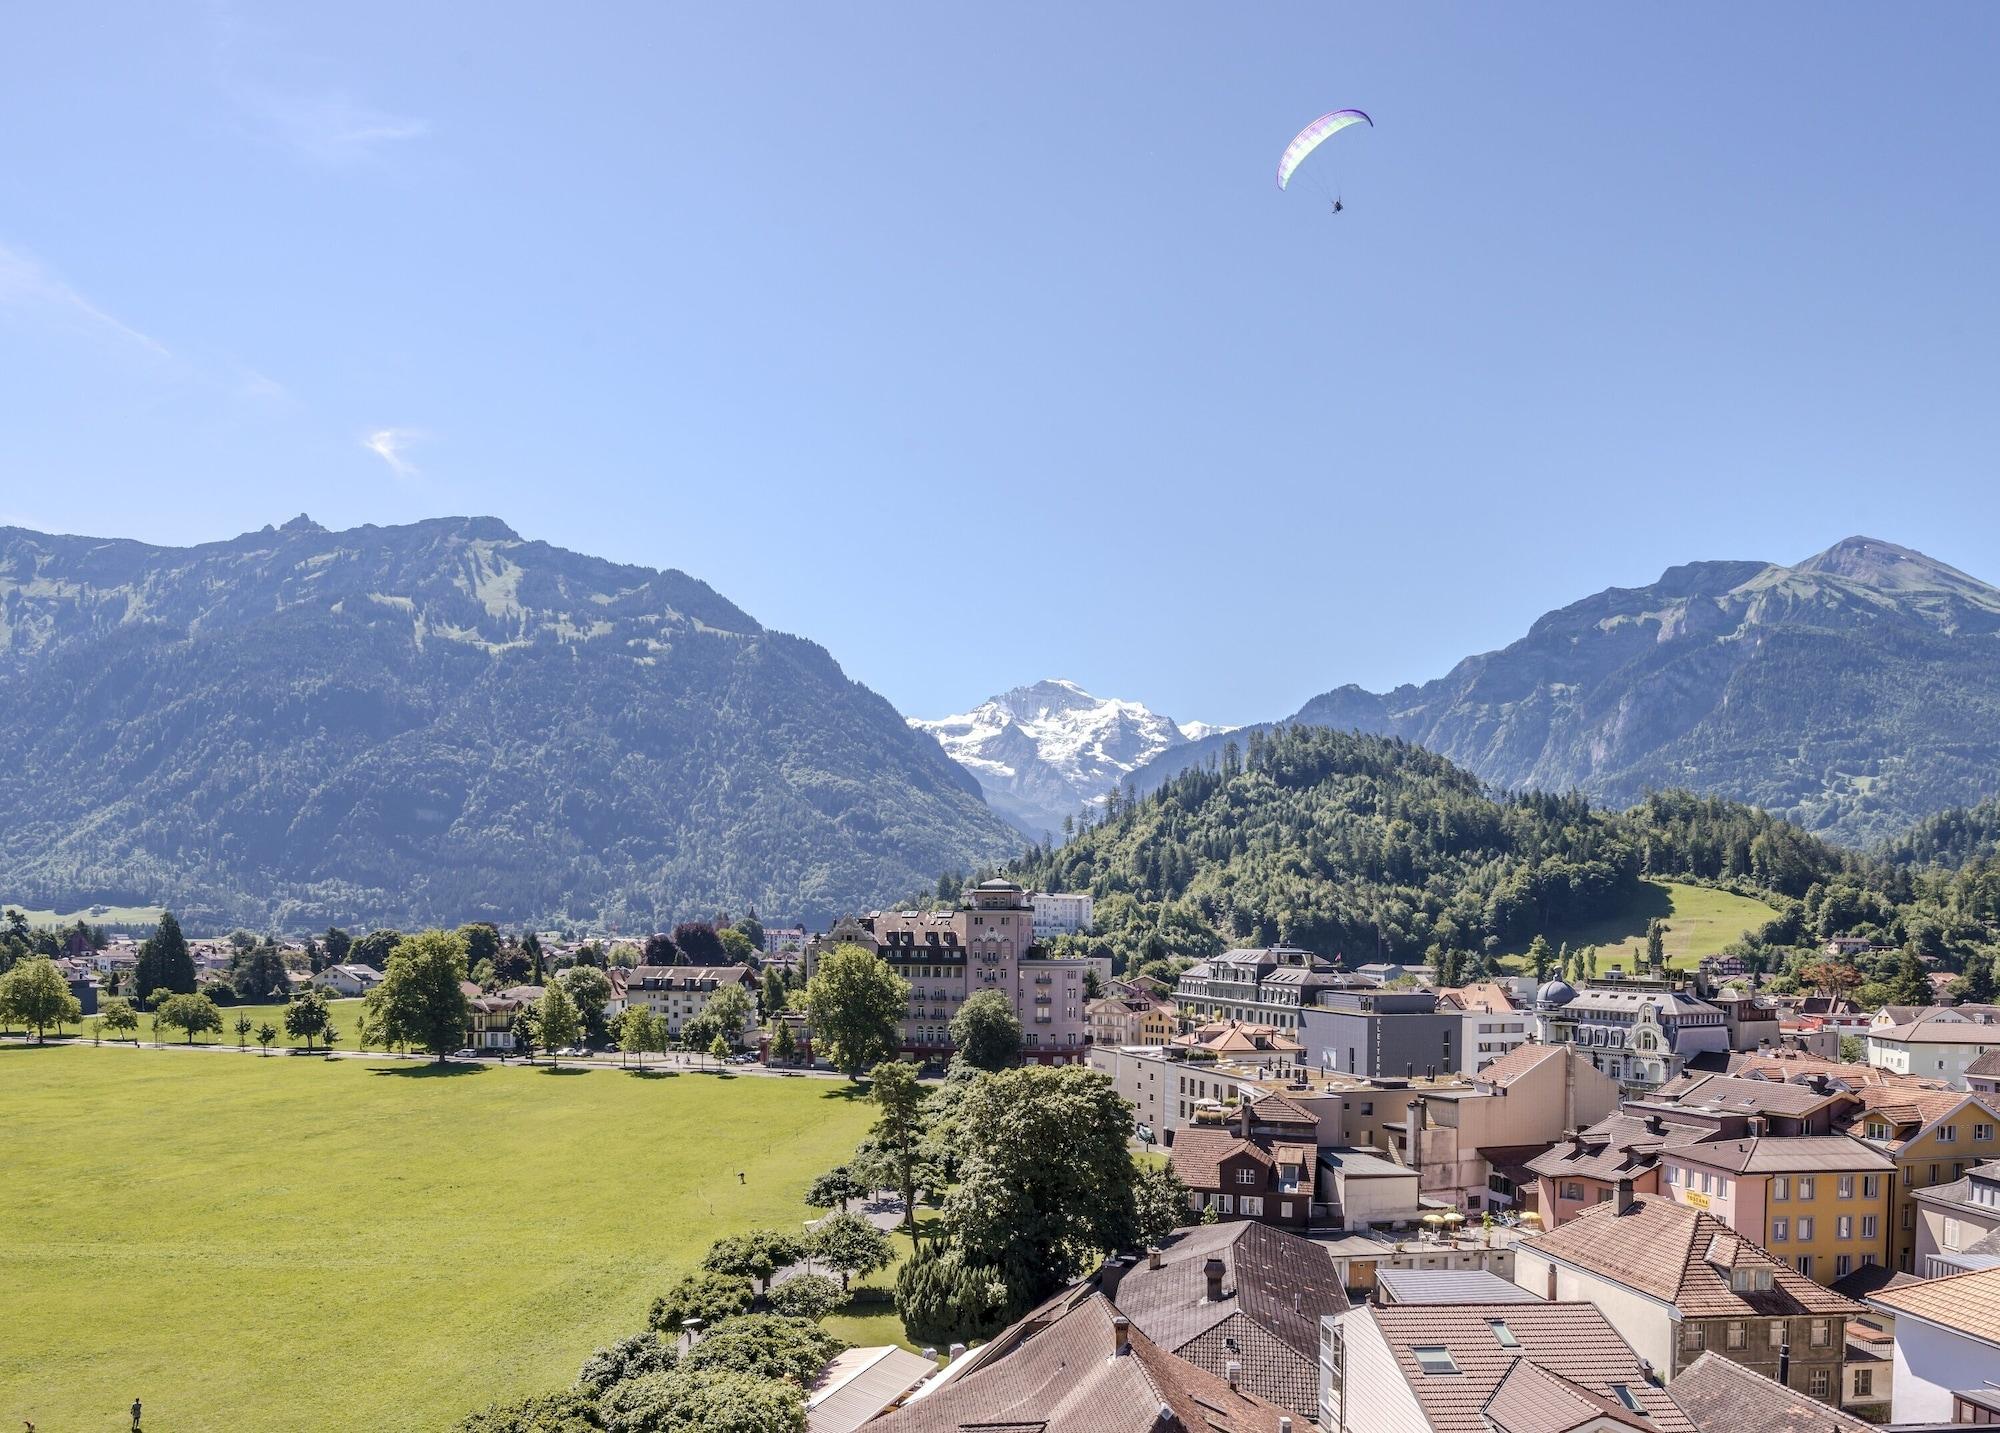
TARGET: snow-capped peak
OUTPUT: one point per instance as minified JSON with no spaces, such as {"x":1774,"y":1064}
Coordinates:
{"x":1043,"y":751}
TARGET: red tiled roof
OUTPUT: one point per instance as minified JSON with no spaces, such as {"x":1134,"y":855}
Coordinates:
{"x":1198,"y":1154}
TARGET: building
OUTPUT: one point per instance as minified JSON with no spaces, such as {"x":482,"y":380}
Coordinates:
{"x":861,"y":1383}
{"x":1641,"y":1033}
{"x":1128,"y":1016}
{"x":1486,"y":1368}
{"x":348,"y":981}
{"x":1242,"y":1293}
{"x":1942,"y":1044}
{"x":1492,"y":1024}
{"x":1448,"y":1286}
{"x":1750,"y":1023}
{"x":1263,"y":1164}
{"x":1821,"y":1201}
{"x":678,"y":993}
{"x":1265,"y":1045}
{"x":1958,"y":1224}
{"x":1168,"y":1092}
{"x":1374,"y":1033}
{"x":1272,"y":987}
{"x":1587,"y":1167}
{"x":986,"y":942}
{"x":785,"y":940}
{"x":1720,"y":1396}
{"x":1934,"y":1136}
{"x":1676,"y":1281}
{"x":1076,"y":1365}
{"x":1063,"y":913}
{"x":492,"y":1024}
{"x":1947,"y":1358}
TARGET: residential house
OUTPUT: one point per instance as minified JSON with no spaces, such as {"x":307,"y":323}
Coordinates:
{"x":1263,"y":1164}
{"x":1821,"y":1201}
{"x":493,"y":1015}
{"x":1233,"y":1040}
{"x":1273,"y":986}
{"x":1947,"y":1359}
{"x":1676,"y":1281}
{"x":1958,"y":1224}
{"x":348,"y":981}
{"x":678,"y":993}
{"x":1242,"y":1293}
{"x":1063,"y":913}
{"x":1942,"y":1043}
{"x":1077,"y":1365}
{"x":1641,"y":1033}
{"x":1588,"y":1166}
{"x":1169,"y":1091}
{"x":1130,"y":1017}
{"x":1934,"y":1136}
{"x":1721,"y":1396}
{"x":1486,"y":1368}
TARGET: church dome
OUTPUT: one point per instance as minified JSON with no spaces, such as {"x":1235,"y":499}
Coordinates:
{"x":1555,"y":992}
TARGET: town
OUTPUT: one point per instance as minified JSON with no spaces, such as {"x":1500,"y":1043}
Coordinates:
{"x":1667,"y":1199}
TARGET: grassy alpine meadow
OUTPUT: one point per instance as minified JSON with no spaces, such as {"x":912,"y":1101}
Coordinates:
{"x":245,"y":1242}
{"x":1701,"y":920}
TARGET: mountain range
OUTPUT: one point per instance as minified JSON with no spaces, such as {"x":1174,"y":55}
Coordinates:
{"x":1853,"y":693}
{"x":1042,"y":753}
{"x":437,"y":723}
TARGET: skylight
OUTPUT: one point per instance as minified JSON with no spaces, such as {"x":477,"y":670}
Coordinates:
{"x":1434,"y":1358}
{"x":1504,"y":1334}
{"x":1627,"y":1397}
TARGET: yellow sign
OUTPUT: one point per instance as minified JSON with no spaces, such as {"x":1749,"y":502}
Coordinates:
{"x":1697,"y":1199}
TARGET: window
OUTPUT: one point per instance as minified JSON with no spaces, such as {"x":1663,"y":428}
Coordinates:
{"x":1285,"y":1209}
{"x":1434,"y":1359}
{"x":1777,"y":1333}
{"x":1805,"y":1191}
{"x":1982,"y":1132}
{"x":1819,"y":1382}
{"x":1691,"y":1337}
{"x":1864,"y":1382}
{"x":1502,"y":1333}
{"x":1627,"y":1397}
{"x":1819,"y":1333}
{"x":1868,"y":1226}
{"x":1871,"y":1186}
{"x":1843,"y":1265}
{"x":1572,"y":1191}
{"x":1781,"y":1188}
{"x":1845,"y":1188}
{"x":1251,"y":1204}
{"x":1736,"y":1335}
{"x":1805,"y":1230}
{"x":1947,"y":1134}
{"x":1805,"y":1265}
{"x":1875,"y":1129}
{"x":1781,"y":1230}
{"x":1246,"y":1176}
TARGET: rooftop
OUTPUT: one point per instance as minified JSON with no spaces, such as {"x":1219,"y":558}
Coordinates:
{"x":1721,"y":1396}
{"x":1448,"y":1286}
{"x":1968,"y":1303}
{"x":1787,"y":1154}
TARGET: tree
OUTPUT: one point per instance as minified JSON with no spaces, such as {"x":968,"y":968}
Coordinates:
{"x":590,"y":988}
{"x":987,"y":1032}
{"x":773,"y":992}
{"x":559,"y":1023}
{"x":308,"y":1015}
{"x":333,"y":947}
{"x":757,"y":1254}
{"x":896,"y":1142}
{"x":718,"y":1048}
{"x":703,"y":1295}
{"x":848,"y":1244}
{"x":659,"y":950}
{"x":482,"y":942}
{"x":266,"y":1033}
{"x":1976,"y":982}
{"x":117,"y":1017}
{"x":259,"y":974}
{"x":1540,"y":958}
{"x":1162,"y":1202}
{"x":35,"y":993}
{"x":531,"y":947}
{"x":835,"y":1188}
{"x":629,"y":1358}
{"x":784,"y":1044}
{"x":1910,"y":985}
{"x":856,"y":1004}
{"x":792,"y":1350}
{"x":1656,"y":944}
{"x":698,"y":944}
{"x":736,"y":946}
{"x":1045,"y":1180}
{"x":191,"y":1013}
{"x":374,"y":948}
{"x":703,"y":1400}
{"x":635,"y":1032}
{"x":569,"y":1411}
{"x":1853,"y":1049}
{"x":807,"y":1296}
{"x":420,"y":1002}
{"x":527,"y":1030}
{"x":752,"y":930}
{"x":164,"y":962}
{"x":945,"y":1299}
{"x":731,"y":1013}
{"x":244,"y":1025}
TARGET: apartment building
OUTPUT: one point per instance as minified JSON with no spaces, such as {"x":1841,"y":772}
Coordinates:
{"x":1273,"y":986}
{"x":1641,"y":1033}
{"x":678,"y":993}
{"x":1063,"y":913}
{"x":1822,"y":1202}
{"x":1933,"y":1136}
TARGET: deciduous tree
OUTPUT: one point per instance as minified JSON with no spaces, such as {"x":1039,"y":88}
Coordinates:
{"x":191,"y":1013}
{"x":987,"y":1032}
{"x":855,"y":1003}
{"x":35,"y":994}
{"x":420,"y":1001}
{"x":560,"y":1026}
{"x":308,"y":1017}
{"x":117,"y":1017}
{"x":757,"y":1254}
{"x":848,"y":1244}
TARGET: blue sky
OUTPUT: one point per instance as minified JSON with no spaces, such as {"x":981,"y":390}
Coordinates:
{"x":976,"y":344}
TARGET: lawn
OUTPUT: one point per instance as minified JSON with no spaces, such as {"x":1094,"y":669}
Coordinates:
{"x":307,"y":1244}
{"x":346,"y":1024}
{"x":1700,"y":921}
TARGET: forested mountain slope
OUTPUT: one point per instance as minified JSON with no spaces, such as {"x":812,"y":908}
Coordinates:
{"x":441,"y":722}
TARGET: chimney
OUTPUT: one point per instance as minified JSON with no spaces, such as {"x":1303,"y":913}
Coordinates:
{"x":1785,"y":1364}
{"x":1820,"y":1085}
{"x":1575,"y":1138}
{"x":1757,"y":1126}
{"x":1624,"y":1197}
{"x":1121,"y":1336}
{"x":1655,"y":1125}
{"x":1284,"y":1424}
{"x":1212,"y":1270}
{"x":957,"y":1351}
{"x":1233,"y":1370}
{"x":1152,"y":1256}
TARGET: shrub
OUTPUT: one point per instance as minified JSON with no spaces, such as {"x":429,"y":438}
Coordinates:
{"x":565,"y":1412}
{"x":944,"y":1300}
{"x":808,"y":1296}
{"x":767,"y":1346}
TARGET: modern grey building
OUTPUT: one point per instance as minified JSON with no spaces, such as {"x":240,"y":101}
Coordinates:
{"x":1382,"y":1033}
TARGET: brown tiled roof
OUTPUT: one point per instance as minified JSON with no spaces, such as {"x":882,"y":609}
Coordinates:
{"x":1054,"y":1372}
{"x":1969,"y":1303}
{"x":1870,"y":1279}
{"x":1661,"y":1248}
{"x":1573,"y":1341}
{"x":1276,"y":1109}
{"x":1785,"y":1153}
{"x":1930,"y":1030}
{"x":1725,"y":1397}
{"x":1741,"y":1096}
{"x":1922,"y":1108}
{"x":1794,"y":1064}
{"x":1516,"y":1063}
{"x":1198,"y":1154}
{"x":1530,"y":1399}
{"x":1486,"y":997}
{"x":1987,"y":1064}
{"x":1616,"y":1146}
{"x":1274,"y":1284}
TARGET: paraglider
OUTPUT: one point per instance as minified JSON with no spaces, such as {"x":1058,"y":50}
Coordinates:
{"x":1311,"y":138}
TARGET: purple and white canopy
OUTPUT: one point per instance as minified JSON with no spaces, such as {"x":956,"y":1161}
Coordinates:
{"x":1313,"y":136}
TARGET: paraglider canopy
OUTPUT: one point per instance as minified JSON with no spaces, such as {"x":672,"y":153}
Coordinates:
{"x":1313,"y":136}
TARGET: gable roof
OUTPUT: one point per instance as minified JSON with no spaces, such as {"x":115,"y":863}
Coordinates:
{"x":1967,"y":1303}
{"x":1274,"y":1108}
{"x":1662,"y":1249}
{"x":1744,"y":1096}
{"x":1572,"y":1341}
{"x":1938,"y":1030}
{"x":1721,"y":1396}
{"x":1531,"y":1399}
{"x":1923,"y":1108}
{"x":1616,"y":1146}
{"x":1449,"y":1286}
{"x":1055,"y":1372}
{"x":1199,"y":1152}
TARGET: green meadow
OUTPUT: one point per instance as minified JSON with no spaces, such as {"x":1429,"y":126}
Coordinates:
{"x":246,"y":1242}
{"x":1701,"y":920}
